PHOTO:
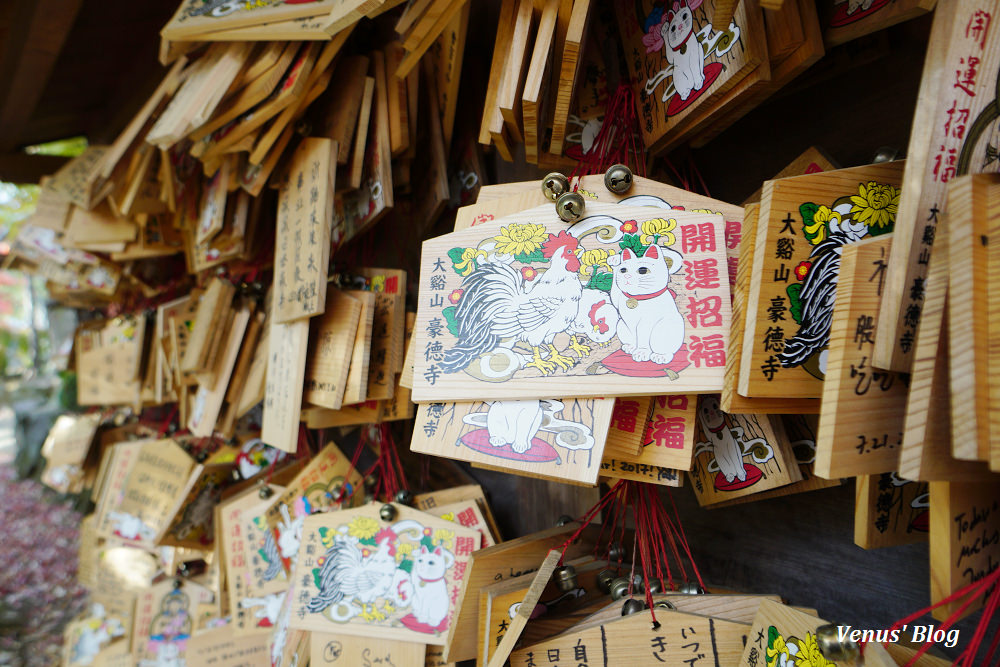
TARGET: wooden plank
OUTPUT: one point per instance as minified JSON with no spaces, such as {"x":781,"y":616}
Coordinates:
{"x":845,"y":21}
{"x":539,"y":70}
{"x":704,"y":328}
{"x":964,"y":529}
{"x":993,"y":307}
{"x":287,"y":345}
{"x":209,"y":398}
{"x":399,"y":127}
{"x":889,"y":511}
{"x":811,"y":161}
{"x":331,"y":345}
{"x":666,"y":443}
{"x":356,"y":383}
{"x":569,"y":68}
{"x":501,"y":50}
{"x":414,"y":55}
{"x":861,"y":425}
{"x":195,"y":18}
{"x":509,"y":95}
{"x":784,"y":30}
{"x":939,"y":150}
{"x":926,"y":452}
{"x":302,"y":236}
{"x":452,"y":55}
{"x":968,"y":205}
{"x":335,"y":649}
{"x":338,"y":111}
{"x":731,"y":401}
{"x":796,"y":258}
{"x":357,"y":161}
{"x":526,"y":435}
{"x":775,"y":629}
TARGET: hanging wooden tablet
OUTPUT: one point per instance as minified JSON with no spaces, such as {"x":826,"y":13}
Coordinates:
{"x":85,"y":636}
{"x":533,"y":97}
{"x":165,"y":620}
{"x":192,"y":525}
{"x":784,"y":30}
{"x":218,"y":646}
{"x":331,"y":341}
{"x":356,"y":384}
{"x":804,"y":223}
{"x":560,"y":439}
{"x":467,"y":514}
{"x":209,"y":398}
{"x":680,"y":637}
{"x":287,"y":345}
{"x":730,"y":400}
{"x":369,"y":412}
{"x":811,"y":161}
{"x":450,"y":51}
{"x":890,"y":510}
{"x":254,"y":571}
{"x":861,"y":425}
{"x":434,"y":499}
{"x":317,"y":487}
{"x":779,"y":633}
{"x":401,"y":407}
{"x":416,"y":564}
{"x":969,"y":205}
{"x":194,"y":18}
{"x":205,"y":327}
{"x":680,"y":59}
{"x":66,"y":449}
{"x":964,"y":538}
{"x":336,"y":649}
{"x":844,"y":20}
{"x":303,"y":232}
{"x":51,"y":210}
{"x":155,"y":486}
{"x":336,"y":113}
{"x":388,"y":323}
{"x":628,"y":419}
{"x":88,"y":228}
{"x":738,"y":455}
{"x":535,"y":241}
{"x":431,"y":183}
{"x":76,"y":180}
{"x":505,"y":560}
{"x":926,"y":453}
{"x":667,"y":444}
{"x":107,"y":361}
{"x":951,"y":126}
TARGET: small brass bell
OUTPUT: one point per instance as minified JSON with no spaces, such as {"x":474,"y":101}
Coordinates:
{"x":616,"y":552}
{"x":632,"y":606}
{"x":201,"y":457}
{"x":619,"y":588}
{"x":387,"y":512}
{"x":370,"y":483}
{"x":655,"y":586}
{"x":691,"y":588}
{"x":404,"y":497}
{"x":831,"y":646}
{"x":566,"y":578}
{"x":618,"y":179}
{"x":265,"y":491}
{"x":554,"y":185}
{"x":604,"y":579}
{"x":569,"y":206}
{"x":564,"y":519}
{"x":665,"y":604}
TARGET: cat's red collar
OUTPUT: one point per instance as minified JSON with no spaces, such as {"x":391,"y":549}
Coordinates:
{"x":643,"y":297}
{"x":683,"y":41}
{"x":718,"y":428}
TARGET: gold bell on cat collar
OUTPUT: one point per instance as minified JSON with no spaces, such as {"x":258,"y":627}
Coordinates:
{"x":565,"y":578}
{"x":554,"y":185}
{"x":833,"y":648}
{"x":618,"y":179}
{"x":569,"y":206}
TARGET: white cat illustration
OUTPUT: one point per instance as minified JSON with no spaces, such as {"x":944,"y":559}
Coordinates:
{"x":514,"y":423}
{"x":651,"y":326}
{"x":728,"y":453}
{"x":430,"y":590}
{"x":682,"y":48}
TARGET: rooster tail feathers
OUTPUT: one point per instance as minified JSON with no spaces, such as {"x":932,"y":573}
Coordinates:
{"x":485,"y":294}
{"x":337,"y":559}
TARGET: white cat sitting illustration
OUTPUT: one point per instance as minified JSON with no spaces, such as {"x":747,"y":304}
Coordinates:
{"x":651,"y":327}
{"x":682,"y":48}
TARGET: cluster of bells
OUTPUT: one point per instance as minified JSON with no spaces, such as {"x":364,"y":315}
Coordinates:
{"x":569,"y":205}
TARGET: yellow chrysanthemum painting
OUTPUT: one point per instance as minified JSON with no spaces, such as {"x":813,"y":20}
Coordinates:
{"x":875,"y":204}
{"x":518,"y":239}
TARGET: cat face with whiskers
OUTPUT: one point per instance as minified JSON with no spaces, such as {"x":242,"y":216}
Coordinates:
{"x":643,"y":274}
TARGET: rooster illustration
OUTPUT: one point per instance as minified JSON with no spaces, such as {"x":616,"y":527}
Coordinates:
{"x":819,"y":292}
{"x":347,"y":574}
{"x":498,"y":305}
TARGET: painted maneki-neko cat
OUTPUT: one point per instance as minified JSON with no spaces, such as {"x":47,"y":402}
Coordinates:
{"x":632,"y":294}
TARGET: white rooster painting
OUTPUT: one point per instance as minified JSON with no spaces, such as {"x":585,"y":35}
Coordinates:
{"x":398,"y":575}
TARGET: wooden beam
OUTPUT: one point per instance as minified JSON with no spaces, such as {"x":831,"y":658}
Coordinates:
{"x":37,"y":35}
{"x":24,"y":168}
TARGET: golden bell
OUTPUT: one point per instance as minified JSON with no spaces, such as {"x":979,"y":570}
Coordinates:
{"x":618,"y":179}
{"x":632,"y":606}
{"x":604,"y":579}
{"x":569,"y":206}
{"x":619,"y":588}
{"x":691,"y":588}
{"x":404,"y":497}
{"x":565,"y":578}
{"x":831,"y":646}
{"x":554,"y":185}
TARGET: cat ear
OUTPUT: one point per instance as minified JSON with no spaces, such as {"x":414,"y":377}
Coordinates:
{"x":652,"y":252}
{"x":627,"y":255}
{"x":437,"y":551}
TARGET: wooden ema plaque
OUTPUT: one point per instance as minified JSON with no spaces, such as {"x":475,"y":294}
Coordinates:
{"x":889,"y":511}
{"x":844,"y":20}
{"x":302,"y":252}
{"x":194,"y":17}
{"x":287,"y":345}
{"x":554,"y":438}
{"x":667,"y":444}
{"x":804,"y":223}
{"x":331,"y":343}
{"x":861,"y":426}
{"x":779,"y":634}
{"x":738,"y":455}
{"x":678,"y":640}
{"x":165,"y":621}
{"x":964,"y":538}
{"x":731,"y":400}
{"x":335,"y":649}
{"x":681,"y":60}
{"x":955,"y":117}
{"x":537,"y":286}
{"x":396,"y":579}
